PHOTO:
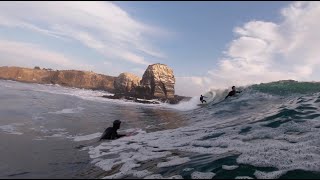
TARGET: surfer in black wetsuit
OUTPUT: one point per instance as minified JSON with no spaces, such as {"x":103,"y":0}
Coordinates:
{"x":201,"y":99}
{"x":111,"y":132}
{"x":233,"y":92}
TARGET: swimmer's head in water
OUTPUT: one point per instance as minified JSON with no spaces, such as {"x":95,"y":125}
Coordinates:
{"x":116,"y":123}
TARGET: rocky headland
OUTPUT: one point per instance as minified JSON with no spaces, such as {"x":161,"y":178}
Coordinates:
{"x":156,"y":84}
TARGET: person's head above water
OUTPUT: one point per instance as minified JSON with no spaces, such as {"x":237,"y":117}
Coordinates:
{"x":233,"y":88}
{"x":116,"y":124}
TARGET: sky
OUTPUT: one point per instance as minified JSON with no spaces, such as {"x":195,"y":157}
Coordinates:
{"x":207,"y":44}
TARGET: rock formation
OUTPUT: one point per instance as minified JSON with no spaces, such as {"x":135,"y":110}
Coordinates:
{"x":157,"y":82}
{"x":70,"y":78}
{"x":125,"y":83}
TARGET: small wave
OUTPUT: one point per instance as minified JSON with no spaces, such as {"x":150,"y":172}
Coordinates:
{"x":214,"y":96}
{"x":270,"y":137}
{"x":87,"y":137}
{"x":68,"y":111}
{"x":11,"y":128}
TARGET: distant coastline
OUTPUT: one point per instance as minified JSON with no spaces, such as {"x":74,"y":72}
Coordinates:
{"x":79,"y":79}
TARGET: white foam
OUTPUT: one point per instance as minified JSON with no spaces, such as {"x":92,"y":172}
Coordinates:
{"x":126,"y":171}
{"x":188,"y":169}
{"x":261,"y":146}
{"x":11,"y":129}
{"x":87,"y":137}
{"x":68,"y":111}
{"x":56,"y":135}
{"x":213,"y":96}
{"x":141,"y":174}
{"x":269,"y":175}
{"x":106,"y":164}
{"x":229,"y":168}
{"x":38,"y":139}
{"x":185,"y":105}
{"x":59,"y":129}
{"x":86,"y":94}
{"x":202,"y":175}
{"x":41,"y":129}
{"x":7,"y":86}
{"x":253,"y":149}
{"x":175,"y":177}
{"x":60,"y":135}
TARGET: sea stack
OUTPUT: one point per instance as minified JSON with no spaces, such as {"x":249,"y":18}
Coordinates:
{"x":157,"y":82}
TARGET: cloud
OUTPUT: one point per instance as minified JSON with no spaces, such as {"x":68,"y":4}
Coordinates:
{"x":101,"y":26}
{"x":267,"y":51}
{"x":190,"y":86}
{"x":15,"y":53}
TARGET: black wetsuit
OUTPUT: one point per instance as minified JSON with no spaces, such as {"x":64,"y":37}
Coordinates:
{"x":201,"y":99}
{"x":232,"y":93}
{"x":110,"y":133}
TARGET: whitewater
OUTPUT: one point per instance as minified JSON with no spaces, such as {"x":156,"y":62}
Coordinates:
{"x":270,"y":130}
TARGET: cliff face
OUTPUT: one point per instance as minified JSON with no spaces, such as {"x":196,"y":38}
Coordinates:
{"x":70,"y":78}
{"x":157,"y":82}
{"x":24,"y":74}
{"x":125,"y":83}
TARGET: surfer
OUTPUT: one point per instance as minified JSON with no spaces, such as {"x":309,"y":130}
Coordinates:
{"x":111,"y":132}
{"x":233,"y":92}
{"x":201,"y":99}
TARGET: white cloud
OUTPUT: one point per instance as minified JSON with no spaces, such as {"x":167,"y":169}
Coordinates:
{"x":268,"y":51}
{"x":102,"y":26}
{"x":27,"y":54}
{"x":190,"y":86}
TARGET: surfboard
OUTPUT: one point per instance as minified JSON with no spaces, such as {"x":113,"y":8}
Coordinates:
{"x":202,"y":105}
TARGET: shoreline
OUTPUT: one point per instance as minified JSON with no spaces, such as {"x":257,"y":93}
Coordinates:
{"x":175,"y":100}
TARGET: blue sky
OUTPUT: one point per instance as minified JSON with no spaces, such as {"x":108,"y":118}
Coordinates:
{"x":202,"y":29}
{"x":207,"y":44}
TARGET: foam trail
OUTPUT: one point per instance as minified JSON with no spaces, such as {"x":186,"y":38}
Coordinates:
{"x":68,"y":111}
{"x":218,"y":96}
{"x":87,"y":137}
{"x":186,"y":105}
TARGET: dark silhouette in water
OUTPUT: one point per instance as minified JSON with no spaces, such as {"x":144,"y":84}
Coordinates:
{"x":111,"y":132}
{"x":201,"y":99}
{"x":233,"y":92}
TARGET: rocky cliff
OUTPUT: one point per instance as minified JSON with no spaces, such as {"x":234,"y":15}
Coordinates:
{"x":125,"y":83}
{"x":157,"y":81}
{"x":160,"y":80}
{"x":70,"y":78}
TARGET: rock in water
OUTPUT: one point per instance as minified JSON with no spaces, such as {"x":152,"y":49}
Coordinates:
{"x":157,"y":82}
{"x":125,"y":83}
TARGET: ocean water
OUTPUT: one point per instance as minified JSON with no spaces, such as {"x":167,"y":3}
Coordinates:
{"x":268,"y":131}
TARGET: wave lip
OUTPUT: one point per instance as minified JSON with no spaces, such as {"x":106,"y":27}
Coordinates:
{"x":283,"y":88}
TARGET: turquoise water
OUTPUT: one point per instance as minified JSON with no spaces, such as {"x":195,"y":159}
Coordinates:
{"x":270,"y":130}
